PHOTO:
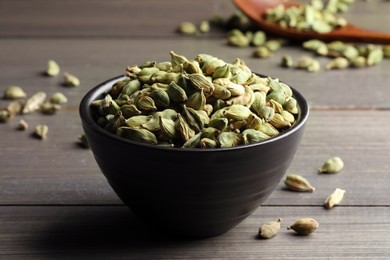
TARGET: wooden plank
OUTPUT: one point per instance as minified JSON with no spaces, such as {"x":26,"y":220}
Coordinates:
{"x":121,"y":18}
{"x":57,"y":171}
{"x":96,"y":61}
{"x":113,"y":232}
{"x":88,"y":18}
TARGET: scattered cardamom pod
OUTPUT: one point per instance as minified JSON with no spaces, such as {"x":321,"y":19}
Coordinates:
{"x":83,"y":142}
{"x":49,"y":108}
{"x":71,"y":80}
{"x":304,"y":226}
{"x":287,"y":61}
{"x":58,"y":98}
{"x":187,"y":28}
{"x":337,"y":63}
{"x":14,"y":92}
{"x":34,"y":102}
{"x":4,"y":116}
{"x":41,"y":131}
{"x":298,"y":183}
{"x":204,"y":26}
{"x":23,"y":125}
{"x":332,"y":165}
{"x":53,"y":69}
{"x":334,"y":199}
{"x":269,"y":229}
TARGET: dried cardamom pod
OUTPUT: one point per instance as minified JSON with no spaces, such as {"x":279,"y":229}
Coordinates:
{"x":334,"y":199}
{"x":177,"y":59}
{"x":228,"y":139}
{"x":41,"y":131}
{"x":58,"y":98}
{"x":332,"y":165}
{"x":259,"y":38}
{"x":83,"y":141}
{"x":4,"y":115}
{"x":304,"y":226}
{"x":176,"y":93}
{"x":137,"y":134}
{"x":238,"y":39}
{"x":251,"y":136}
{"x":187,"y":28}
{"x":196,"y":100}
{"x":53,"y":69}
{"x":287,"y":61}
{"x":237,"y":112}
{"x":262,"y":52}
{"x":184,"y":129}
{"x":298,"y":183}
{"x":193,"y":142}
{"x":14,"y":92}
{"x":269,"y":229}
{"x":337,"y":63}
{"x":49,"y":108}
{"x":14,"y":108}
{"x":204,"y":26}
{"x":71,"y":80}
{"x":168,"y":127}
{"x":146,"y":103}
{"x":160,"y":98}
{"x":34,"y":102}
{"x":207,"y":143}
{"x":23,"y":125}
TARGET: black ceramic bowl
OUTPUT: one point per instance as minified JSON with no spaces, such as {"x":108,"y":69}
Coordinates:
{"x":191,"y":192}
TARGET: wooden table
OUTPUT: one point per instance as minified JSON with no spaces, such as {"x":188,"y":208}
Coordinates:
{"x":54,"y":201}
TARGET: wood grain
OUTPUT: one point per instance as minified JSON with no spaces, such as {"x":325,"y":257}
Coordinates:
{"x":114,"y":232}
{"x":96,"y":61}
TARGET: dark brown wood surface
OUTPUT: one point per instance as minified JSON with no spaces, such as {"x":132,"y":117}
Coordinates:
{"x":56,"y":204}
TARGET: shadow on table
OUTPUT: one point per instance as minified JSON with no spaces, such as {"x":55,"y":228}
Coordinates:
{"x":104,"y":229}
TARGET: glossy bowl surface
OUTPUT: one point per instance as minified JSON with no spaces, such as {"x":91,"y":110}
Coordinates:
{"x":191,"y":192}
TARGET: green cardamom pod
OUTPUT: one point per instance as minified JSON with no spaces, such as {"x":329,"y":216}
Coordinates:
{"x":58,"y":98}
{"x":14,"y":92}
{"x":41,"y":131}
{"x":71,"y":80}
{"x":184,"y":129}
{"x":196,"y":100}
{"x":304,"y":226}
{"x":53,"y":69}
{"x":269,"y":229}
{"x":160,"y":98}
{"x":251,"y":136}
{"x":334,"y":199}
{"x":176,"y":93}
{"x":229,"y":139}
{"x":137,"y":135}
{"x":298,"y":183}
{"x":34,"y":102}
{"x":332,"y":165}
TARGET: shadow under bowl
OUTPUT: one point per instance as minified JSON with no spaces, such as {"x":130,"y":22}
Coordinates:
{"x":191,"y":192}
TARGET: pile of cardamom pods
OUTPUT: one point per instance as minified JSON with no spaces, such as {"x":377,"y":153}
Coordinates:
{"x":199,"y":103}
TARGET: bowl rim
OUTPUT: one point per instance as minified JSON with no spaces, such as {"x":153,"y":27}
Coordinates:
{"x":85,"y":113}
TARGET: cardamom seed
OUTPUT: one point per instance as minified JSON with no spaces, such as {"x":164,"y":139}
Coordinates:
{"x":298,"y":183}
{"x":304,"y":226}
{"x":334,"y":199}
{"x":270,"y":229}
{"x":332,"y":165}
